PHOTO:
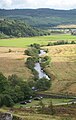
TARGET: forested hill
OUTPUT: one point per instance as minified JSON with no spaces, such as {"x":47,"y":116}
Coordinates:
{"x":42,"y":17}
{"x":17,"y":28}
{"x":38,"y":12}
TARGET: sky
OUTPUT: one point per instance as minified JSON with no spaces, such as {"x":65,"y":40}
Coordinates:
{"x":23,"y":4}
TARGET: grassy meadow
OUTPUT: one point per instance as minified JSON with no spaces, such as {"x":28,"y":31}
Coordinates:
{"x":14,"y":62}
{"x":43,"y":40}
{"x":46,"y":101}
{"x":61,"y":113}
{"x":62,"y":68}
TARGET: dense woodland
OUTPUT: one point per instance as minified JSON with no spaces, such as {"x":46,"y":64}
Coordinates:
{"x":42,"y":18}
{"x":32,"y":22}
{"x":17,"y":28}
{"x":13,"y":89}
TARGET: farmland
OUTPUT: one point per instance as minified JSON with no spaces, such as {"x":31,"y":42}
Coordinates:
{"x":13,"y":62}
{"x":42,"y":40}
{"x":62,"y":113}
{"x":62,"y":68}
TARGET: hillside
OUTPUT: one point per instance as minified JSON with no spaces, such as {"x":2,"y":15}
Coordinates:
{"x":42,"y":17}
{"x":14,"y":62}
{"x":17,"y":28}
{"x":62,"y":65}
{"x":62,"y":68}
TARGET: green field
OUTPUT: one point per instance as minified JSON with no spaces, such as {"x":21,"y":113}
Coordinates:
{"x":46,"y":101}
{"x":43,"y":40}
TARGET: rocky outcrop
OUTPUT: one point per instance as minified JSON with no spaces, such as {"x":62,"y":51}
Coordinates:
{"x":6,"y":116}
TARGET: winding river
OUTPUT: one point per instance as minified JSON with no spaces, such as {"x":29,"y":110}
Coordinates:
{"x":39,"y":69}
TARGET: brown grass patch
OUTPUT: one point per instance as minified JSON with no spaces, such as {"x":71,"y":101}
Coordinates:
{"x":63,"y":67}
{"x":13,"y":62}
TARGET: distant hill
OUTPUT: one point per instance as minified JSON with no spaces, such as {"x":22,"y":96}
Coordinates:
{"x":18,"y":28}
{"x":42,"y":17}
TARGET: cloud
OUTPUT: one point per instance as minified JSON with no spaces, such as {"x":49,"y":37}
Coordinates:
{"x":5,"y":3}
{"x":56,"y":4}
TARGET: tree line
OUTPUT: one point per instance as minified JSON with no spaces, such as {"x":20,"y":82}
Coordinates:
{"x":18,"y":28}
{"x":13,"y":89}
{"x":62,"y":42}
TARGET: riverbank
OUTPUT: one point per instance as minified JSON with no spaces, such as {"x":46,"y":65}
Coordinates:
{"x":39,"y":69}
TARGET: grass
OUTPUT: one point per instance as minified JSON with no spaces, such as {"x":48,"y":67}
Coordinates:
{"x":62,"y":69}
{"x":14,"y":62}
{"x":43,"y":40}
{"x":67,"y":112}
{"x":46,"y":101}
{"x":26,"y":115}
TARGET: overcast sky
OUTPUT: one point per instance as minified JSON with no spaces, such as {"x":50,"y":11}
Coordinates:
{"x":56,"y":4}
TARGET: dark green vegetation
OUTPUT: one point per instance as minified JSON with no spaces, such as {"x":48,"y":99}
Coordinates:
{"x":17,"y":28}
{"x":41,"y":18}
{"x":13,"y":90}
{"x":45,"y":61}
{"x":33,"y":51}
{"x":62,"y":42}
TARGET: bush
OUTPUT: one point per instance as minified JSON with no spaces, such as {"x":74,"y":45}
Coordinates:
{"x":45,"y":61}
{"x":10,"y":50}
{"x":3,"y":83}
{"x":73,"y":42}
{"x":32,"y":52}
{"x":62,"y":42}
{"x":13,"y":80}
{"x":42,"y":84}
{"x":35,"y":45}
{"x":46,"y":110}
{"x":1,"y":101}
{"x":7,"y":101}
{"x":50,"y":44}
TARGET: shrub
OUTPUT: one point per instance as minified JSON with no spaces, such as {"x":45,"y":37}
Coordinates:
{"x":42,"y":84}
{"x":46,"y":110}
{"x":45,"y":61}
{"x":35,"y":45}
{"x":7,"y":101}
{"x":1,"y":101}
{"x":10,"y":50}
{"x":62,"y":42}
{"x":73,"y":42}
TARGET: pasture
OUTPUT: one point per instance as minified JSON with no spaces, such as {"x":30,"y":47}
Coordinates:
{"x":42,"y":40}
{"x":62,"y":68}
{"x":14,"y":62}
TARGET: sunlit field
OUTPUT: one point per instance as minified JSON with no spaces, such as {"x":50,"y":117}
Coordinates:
{"x":62,"y":68}
{"x":43,"y":40}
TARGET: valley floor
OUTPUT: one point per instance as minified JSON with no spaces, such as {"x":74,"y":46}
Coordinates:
{"x":14,"y":62}
{"x":62,"y":68}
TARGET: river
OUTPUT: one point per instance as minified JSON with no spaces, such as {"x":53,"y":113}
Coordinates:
{"x":39,"y":69}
